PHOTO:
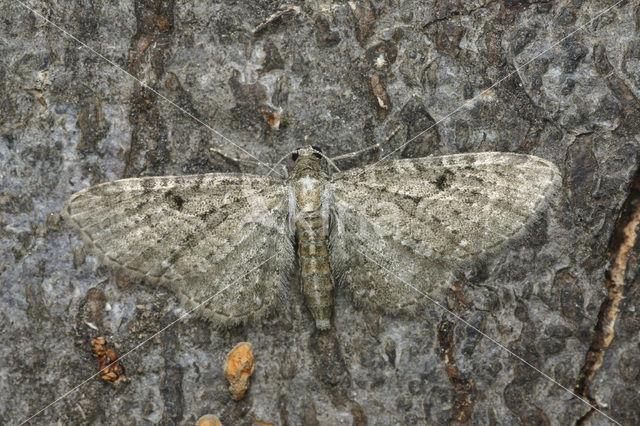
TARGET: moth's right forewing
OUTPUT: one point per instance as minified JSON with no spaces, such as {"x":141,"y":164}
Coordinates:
{"x":196,"y":234}
{"x":417,"y":220}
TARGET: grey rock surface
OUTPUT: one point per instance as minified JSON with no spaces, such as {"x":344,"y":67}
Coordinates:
{"x":346,"y":75}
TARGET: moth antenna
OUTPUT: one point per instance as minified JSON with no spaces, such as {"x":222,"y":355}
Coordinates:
{"x":355,"y":153}
{"x":329,"y":161}
{"x":278,"y":162}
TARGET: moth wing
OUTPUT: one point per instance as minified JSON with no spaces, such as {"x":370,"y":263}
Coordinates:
{"x":418,"y":220}
{"x":195,"y":234}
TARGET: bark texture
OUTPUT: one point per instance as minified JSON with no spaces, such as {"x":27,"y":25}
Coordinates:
{"x":245,"y":79}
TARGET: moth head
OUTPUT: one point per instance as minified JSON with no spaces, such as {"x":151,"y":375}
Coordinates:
{"x":307,"y":151}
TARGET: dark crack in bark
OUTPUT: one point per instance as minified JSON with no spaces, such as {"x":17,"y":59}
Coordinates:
{"x":148,"y":46}
{"x":628,"y":103}
{"x":171,"y":387}
{"x":282,"y":408}
{"x":464,"y":388}
{"x":365,"y":16}
{"x":620,"y":249}
{"x":332,"y":370}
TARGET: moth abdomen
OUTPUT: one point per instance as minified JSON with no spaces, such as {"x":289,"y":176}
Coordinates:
{"x":315,"y":273}
{"x":311,"y":227}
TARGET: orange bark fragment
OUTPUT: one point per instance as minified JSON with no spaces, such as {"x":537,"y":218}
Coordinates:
{"x":239,"y":368}
{"x":209,"y":420}
{"x":110,"y":369}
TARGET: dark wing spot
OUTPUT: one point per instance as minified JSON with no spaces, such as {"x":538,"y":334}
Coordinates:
{"x":175,"y":201}
{"x":148,"y":184}
{"x":442,"y":181}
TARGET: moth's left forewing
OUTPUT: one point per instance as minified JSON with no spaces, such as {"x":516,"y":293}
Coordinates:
{"x":199,"y":235}
{"x":417,"y":220}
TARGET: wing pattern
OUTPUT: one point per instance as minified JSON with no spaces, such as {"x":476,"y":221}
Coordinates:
{"x":195,"y":234}
{"x":415,"y":220}
{"x":421,"y":219}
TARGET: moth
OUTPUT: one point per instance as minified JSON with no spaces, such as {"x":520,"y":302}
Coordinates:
{"x":367,"y":229}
